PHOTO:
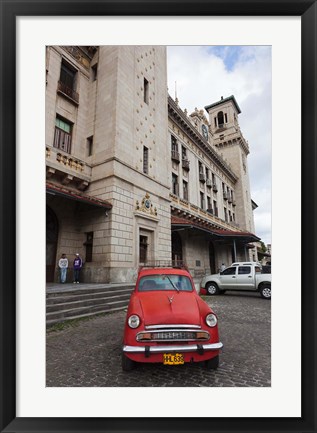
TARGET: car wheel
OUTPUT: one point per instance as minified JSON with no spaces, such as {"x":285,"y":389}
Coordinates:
{"x":127,"y":363}
{"x":212,"y":289}
{"x":265,"y":291}
{"x":213,"y":363}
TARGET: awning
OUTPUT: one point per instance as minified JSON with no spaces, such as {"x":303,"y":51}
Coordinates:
{"x":71,"y":195}
{"x":215,"y":234}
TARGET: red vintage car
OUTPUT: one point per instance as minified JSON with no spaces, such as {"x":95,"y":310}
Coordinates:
{"x":167,"y":321}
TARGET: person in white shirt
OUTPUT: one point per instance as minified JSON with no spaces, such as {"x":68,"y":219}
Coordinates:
{"x":63,"y":265}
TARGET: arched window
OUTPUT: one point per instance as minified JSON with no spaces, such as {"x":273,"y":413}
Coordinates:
{"x":220,"y":119}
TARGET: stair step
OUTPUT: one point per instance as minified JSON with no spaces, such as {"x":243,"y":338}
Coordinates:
{"x":85,"y":302}
{"x":75,"y":312}
{"x":52,"y":321}
{"x":67,"y":297}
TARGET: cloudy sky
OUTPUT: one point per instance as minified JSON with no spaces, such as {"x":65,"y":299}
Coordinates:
{"x":205,"y":73}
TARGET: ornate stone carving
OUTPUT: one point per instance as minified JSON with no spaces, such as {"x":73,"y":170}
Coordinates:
{"x":146,"y":205}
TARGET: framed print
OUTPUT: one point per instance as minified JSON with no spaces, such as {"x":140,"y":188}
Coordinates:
{"x":28,"y":402}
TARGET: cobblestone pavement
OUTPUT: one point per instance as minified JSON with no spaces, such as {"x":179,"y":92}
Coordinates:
{"x":88,"y":354}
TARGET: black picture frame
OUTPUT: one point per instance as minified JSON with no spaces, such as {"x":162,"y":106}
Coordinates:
{"x":10,"y":9}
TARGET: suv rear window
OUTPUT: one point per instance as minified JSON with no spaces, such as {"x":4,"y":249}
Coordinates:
{"x":152,"y":283}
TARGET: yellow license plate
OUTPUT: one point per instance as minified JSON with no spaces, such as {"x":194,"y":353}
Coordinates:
{"x":173,"y":358}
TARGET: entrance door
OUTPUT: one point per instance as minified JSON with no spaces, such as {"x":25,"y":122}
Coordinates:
{"x":51,"y":243}
{"x":177,"y":249}
{"x":212,"y":261}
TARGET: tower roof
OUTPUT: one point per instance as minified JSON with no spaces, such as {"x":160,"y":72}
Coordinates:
{"x":222,"y":100}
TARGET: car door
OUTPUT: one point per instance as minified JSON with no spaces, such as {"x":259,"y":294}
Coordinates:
{"x":228,"y":278}
{"x":245,"y":278}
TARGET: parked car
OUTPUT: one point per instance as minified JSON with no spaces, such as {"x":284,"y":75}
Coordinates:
{"x":239,"y":276}
{"x":168,"y":322}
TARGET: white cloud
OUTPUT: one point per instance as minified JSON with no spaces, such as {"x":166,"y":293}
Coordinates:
{"x":203,"y":75}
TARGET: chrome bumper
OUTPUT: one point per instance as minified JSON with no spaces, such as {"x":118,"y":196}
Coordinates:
{"x":171,"y":349}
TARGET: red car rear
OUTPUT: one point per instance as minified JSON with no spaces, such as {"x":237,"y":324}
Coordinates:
{"x":167,"y":322}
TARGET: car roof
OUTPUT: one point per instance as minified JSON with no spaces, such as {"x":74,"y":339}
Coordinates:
{"x":159,"y":271}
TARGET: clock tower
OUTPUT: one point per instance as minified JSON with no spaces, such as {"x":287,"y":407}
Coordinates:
{"x":230,"y":143}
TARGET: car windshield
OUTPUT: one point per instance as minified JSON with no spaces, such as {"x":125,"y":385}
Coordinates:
{"x":152,"y":283}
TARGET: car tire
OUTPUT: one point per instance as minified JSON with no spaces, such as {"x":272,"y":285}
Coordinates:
{"x":265,"y":291}
{"x":127,"y":363}
{"x":212,"y":289}
{"x":213,"y":363}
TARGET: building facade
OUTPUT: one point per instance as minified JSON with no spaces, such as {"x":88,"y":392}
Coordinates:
{"x":131,"y":178}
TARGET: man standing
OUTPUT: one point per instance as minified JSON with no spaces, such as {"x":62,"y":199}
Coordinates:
{"x":77,"y":265}
{"x":63,"y":265}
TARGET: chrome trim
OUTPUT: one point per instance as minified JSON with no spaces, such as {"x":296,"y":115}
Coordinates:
{"x":169,"y":349}
{"x":176,"y":325}
{"x":181,"y":330}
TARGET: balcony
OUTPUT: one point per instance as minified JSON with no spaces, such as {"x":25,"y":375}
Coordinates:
{"x":230,"y":199}
{"x":202,"y":177}
{"x":209,"y":182}
{"x":214,"y":187}
{"x":175,"y":156}
{"x":68,"y":92}
{"x":234,"y":203}
{"x":185,"y":164}
{"x":225,"y":197}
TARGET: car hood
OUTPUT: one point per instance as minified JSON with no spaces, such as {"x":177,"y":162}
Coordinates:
{"x":169,"y":307}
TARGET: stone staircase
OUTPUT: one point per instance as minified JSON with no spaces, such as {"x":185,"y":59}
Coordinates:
{"x":67,"y":301}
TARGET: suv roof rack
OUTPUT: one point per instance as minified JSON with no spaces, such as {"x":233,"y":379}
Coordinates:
{"x":177,"y":264}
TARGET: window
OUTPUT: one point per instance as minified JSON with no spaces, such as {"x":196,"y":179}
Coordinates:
{"x":175,"y":188}
{"x":90,"y":142}
{"x":184,"y":153}
{"x":146,"y":91}
{"x":63,"y":137}
{"x":88,"y":246}
{"x":143,"y":249}
{"x":215,"y":208}
{"x":229,"y":271}
{"x":226,"y":215}
{"x":174,"y":145}
{"x":209,"y":204}
{"x":94,"y":72}
{"x":220,"y":119}
{"x":185,"y":190}
{"x":67,"y":82}
{"x":202,"y":200}
{"x":244,"y":270}
{"x":145,"y":160}
{"x":68,"y":75}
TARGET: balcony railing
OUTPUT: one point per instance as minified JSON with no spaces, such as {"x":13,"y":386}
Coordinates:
{"x":202,"y":177}
{"x":67,"y":91}
{"x":230,"y":199}
{"x":175,"y":156}
{"x":214,"y":187}
{"x":185,"y":164}
{"x":209,"y":182}
{"x":225,"y":197}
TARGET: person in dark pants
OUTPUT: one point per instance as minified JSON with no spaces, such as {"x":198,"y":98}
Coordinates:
{"x":77,"y":265}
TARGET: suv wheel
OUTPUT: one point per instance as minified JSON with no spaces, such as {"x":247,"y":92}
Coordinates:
{"x":212,"y":289}
{"x":265,"y":291}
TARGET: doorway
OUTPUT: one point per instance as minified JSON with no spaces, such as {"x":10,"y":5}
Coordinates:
{"x":51,"y":243}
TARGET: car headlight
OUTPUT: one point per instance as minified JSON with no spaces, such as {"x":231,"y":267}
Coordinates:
{"x":134,"y":321}
{"x":211,"y":320}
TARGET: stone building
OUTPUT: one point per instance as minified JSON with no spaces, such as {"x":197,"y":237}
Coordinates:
{"x":133,"y":179}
